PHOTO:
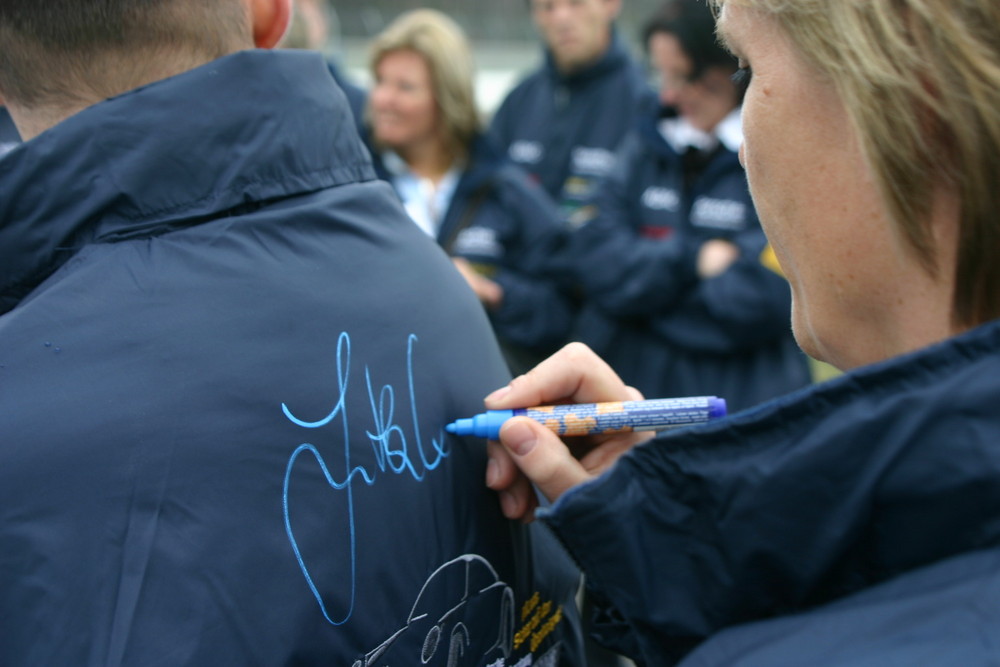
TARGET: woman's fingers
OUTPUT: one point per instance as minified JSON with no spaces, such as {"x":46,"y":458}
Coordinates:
{"x":542,"y":457}
{"x":574,"y":374}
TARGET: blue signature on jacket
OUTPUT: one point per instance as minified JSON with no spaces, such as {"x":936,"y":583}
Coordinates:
{"x":392,"y":452}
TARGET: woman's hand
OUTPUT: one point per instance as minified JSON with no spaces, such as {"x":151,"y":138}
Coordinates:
{"x":489,"y":292}
{"x":528,"y":453}
{"x":715,"y":256}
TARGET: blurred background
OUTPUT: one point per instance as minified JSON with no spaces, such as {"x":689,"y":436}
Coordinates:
{"x":502,"y":35}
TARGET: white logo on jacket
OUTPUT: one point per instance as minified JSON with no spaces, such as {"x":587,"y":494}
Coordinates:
{"x":592,"y":161}
{"x":480,"y":241}
{"x":719,"y":214}
{"x":661,"y":199}
{"x":526,"y":152}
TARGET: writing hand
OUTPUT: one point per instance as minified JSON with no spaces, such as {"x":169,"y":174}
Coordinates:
{"x":489,"y":292}
{"x":528,"y":453}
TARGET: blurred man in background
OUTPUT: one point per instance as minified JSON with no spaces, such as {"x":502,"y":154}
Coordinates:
{"x":564,"y":121}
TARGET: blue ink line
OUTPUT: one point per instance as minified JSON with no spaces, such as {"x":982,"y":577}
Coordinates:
{"x":397,"y":460}
{"x":342,"y":375}
{"x":291,"y":536}
{"x":439,"y":445}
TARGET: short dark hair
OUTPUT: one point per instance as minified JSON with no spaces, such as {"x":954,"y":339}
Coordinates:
{"x":693,"y":24}
{"x":52,"y":48}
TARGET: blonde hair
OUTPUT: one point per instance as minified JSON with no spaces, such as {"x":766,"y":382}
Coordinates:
{"x":443,"y":46}
{"x":920,"y":80}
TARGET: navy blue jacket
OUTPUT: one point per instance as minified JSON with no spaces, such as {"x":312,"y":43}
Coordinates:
{"x":227,"y":358}
{"x":9,"y":137}
{"x":856,"y":522}
{"x":648,"y":314}
{"x":357,"y":97}
{"x":564,"y":129}
{"x":508,"y":229}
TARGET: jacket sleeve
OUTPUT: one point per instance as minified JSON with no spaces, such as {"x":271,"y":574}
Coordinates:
{"x":620,"y":272}
{"x":627,"y":275}
{"x":536,"y":311}
{"x":746,"y":305}
{"x":779,"y":510}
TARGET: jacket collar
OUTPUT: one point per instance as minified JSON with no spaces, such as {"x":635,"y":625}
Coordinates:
{"x":725,"y":157}
{"x":247,"y":128}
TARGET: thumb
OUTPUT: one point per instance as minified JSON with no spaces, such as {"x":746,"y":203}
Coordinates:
{"x":542,"y":457}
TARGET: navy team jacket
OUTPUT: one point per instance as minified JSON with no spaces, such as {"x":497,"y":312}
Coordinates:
{"x":646,"y":311}
{"x":856,"y":522}
{"x":227,"y":358}
{"x":508,"y":229}
{"x":564,"y":129}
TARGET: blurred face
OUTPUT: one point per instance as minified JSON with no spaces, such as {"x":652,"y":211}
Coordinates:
{"x":704,"y":102}
{"x":404,"y":113}
{"x":578,"y":32}
{"x":859,"y":294}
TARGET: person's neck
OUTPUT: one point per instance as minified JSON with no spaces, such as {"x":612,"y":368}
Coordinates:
{"x":569,"y":69}
{"x":430,"y":160}
{"x":918,"y":305}
{"x":33,"y":120}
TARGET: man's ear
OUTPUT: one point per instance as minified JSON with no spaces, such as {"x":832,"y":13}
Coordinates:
{"x":270,"y":21}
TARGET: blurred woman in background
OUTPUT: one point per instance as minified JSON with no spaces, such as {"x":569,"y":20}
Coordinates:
{"x":500,"y":228}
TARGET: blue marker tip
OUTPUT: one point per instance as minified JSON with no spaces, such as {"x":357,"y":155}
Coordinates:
{"x":485,"y":425}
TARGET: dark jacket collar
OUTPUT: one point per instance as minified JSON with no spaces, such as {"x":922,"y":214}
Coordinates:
{"x":647,"y":125}
{"x":483,"y":161}
{"x":247,"y":128}
{"x":481,"y":166}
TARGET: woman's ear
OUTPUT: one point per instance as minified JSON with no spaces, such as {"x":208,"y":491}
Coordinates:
{"x":270,"y":21}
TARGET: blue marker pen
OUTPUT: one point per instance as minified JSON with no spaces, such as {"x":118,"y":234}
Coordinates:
{"x":600,"y":418}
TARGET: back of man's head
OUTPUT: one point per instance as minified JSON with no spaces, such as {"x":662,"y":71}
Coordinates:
{"x":61,"y":52}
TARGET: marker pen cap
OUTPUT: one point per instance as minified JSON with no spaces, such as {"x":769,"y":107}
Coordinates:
{"x":716,"y":408}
